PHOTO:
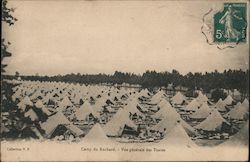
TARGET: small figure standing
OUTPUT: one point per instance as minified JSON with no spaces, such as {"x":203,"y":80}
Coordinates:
{"x":230,"y":31}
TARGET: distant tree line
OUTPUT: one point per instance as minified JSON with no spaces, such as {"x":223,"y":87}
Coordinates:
{"x":229,"y":79}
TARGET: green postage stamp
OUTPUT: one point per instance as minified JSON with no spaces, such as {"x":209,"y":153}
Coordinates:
{"x":226,"y":26}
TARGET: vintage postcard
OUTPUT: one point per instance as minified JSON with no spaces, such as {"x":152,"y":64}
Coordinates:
{"x":133,"y":80}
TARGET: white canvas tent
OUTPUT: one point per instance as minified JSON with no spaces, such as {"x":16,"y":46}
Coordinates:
{"x":201,"y":98}
{"x":17,"y":95}
{"x":220,"y":106}
{"x":131,"y":107}
{"x":192,"y":106}
{"x":239,"y":112}
{"x":164,"y":103}
{"x":166,"y":110}
{"x":178,"y":99}
{"x":236,"y":94}
{"x":169,"y":117}
{"x":166,"y":124}
{"x":177,"y":137}
{"x":144,"y":93}
{"x":25,"y":102}
{"x":245,"y":104}
{"x":213,"y":122}
{"x":65,"y":103}
{"x":36,"y":94}
{"x":115,"y":126}
{"x":59,"y":119}
{"x":160,"y":95}
{"x":98,"y":106}
{"x":228,"y":100}
{"x":202,"y":113}
{"x":39,"y":104}
{"x":97,"y":135}
{"x":84,"y":111}
{"x":53,"y":121}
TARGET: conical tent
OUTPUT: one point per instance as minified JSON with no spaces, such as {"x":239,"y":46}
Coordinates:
{"x":164,"y":103}
{"x":123,"y":92}
{"x":229,"y":92}
{"x":144,"y":93}
{"x":40,"y":105}
{"x":169,"y":117}
{"x":178,"y":99}
{"x":220,"y":106}
{"x":92,"y":91}
{"x":213,"y":122}
{"x":245,"y":104}
{"x":76,"y":99}
{"x":192,"y":106}
{"x":166,"y":110}
{"x":84,"y":111}
{"x":177,"y":137}
{"x":236,"y":92}
{"x":202,"y":113}
{"x":17,"y":95}
{"x":65,"y":103}
{"x":25,"y":102}
{"x":229,"y":100}
{"x":238,"y":113}
{"x":160,"y":95}
{"x":155,"y":100}
{"x":98,"y":106}
{"x":96,"y":134}
{"x":131,"y":107}
{"x":30,"y":89}
{"x":201,"y":98}
{"x":36,"y":94}
{"x":53,"y":121}
{"x":115,"y":126}
{"x":47,"y":97}
{"x":133,"y":96}
{"x":167,"y":123}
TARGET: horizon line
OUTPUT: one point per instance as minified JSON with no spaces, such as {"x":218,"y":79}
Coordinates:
{"x":138,"y":74}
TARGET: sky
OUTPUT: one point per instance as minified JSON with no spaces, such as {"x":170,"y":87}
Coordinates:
{"x":60,"y":37}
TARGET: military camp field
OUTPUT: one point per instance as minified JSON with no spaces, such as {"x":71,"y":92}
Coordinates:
{"x":77,"y":112}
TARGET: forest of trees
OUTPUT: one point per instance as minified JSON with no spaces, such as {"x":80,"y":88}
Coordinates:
{"x":229,"y":79}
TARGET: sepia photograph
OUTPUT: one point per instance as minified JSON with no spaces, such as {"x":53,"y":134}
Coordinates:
{"x":133,"y":80}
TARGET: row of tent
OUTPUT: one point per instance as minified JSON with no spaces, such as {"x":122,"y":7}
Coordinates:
{"x":169,"y":117}
{"x":176,"y":100}
{"x":201,"y":111}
